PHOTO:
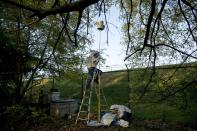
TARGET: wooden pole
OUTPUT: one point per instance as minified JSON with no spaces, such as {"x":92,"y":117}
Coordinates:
{"x":99,"y":100}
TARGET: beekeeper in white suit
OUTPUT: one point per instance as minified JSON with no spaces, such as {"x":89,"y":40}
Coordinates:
{"x":123,"y":114}
{"x":91,"y":63}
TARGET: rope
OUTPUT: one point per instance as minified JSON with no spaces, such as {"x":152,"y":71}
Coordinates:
{"x":99,"y":46}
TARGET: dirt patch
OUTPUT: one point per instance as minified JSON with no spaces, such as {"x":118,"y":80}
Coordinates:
{"x":136,"y":125}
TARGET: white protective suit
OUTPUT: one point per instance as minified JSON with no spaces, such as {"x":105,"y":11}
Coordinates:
{"x":93,"y":59}
{"x":91,"y":63}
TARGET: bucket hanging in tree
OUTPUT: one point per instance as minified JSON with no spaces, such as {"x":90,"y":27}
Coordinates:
{"x":100,"y":25}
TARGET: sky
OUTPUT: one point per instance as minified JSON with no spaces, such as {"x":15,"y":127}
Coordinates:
{"x":113,"y":51}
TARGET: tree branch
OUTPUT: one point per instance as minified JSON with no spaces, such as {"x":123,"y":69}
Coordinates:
{"x":147,"y":84}
{"x":189,"y":55}
{"x":177,"y":91}
{"x":67,"y":7}
{"x":158,"y":16}
{"x":128,"y":18}
{"x":179,"y":3}
{"x":38,"y":65}
{"x":150,"y":18}
{"x":132,"y":53}
{"x":188,"y":4}
{"x":14,"y":3}
{"x":77,"y":27}
{"x":191,"y":7}
{"x":55,"y":3}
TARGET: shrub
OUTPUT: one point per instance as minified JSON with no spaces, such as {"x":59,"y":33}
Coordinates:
{"x":18,"y":117}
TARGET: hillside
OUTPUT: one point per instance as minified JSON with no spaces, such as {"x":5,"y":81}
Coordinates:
{"x":170,"y":95}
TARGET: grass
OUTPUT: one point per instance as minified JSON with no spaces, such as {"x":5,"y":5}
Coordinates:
{"x":115,"y":86}
{"x":169,"y":110}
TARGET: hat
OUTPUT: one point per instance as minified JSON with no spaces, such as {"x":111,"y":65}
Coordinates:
{"x":95,"y":53}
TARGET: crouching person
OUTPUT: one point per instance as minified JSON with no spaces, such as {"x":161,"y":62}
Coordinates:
{"x":123,"y":115}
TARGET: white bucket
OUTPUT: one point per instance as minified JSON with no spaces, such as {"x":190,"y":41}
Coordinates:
{"x":55,"y":96}
{"x":100,"y":25}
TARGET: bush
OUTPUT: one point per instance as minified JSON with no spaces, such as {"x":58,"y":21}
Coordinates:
{"x":22,"y":118}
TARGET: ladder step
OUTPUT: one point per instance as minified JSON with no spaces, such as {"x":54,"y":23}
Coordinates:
{"x":87,"y":97}
{"x":104,"y":110}
{"x":83,"y":111}
{"x":86,"y":104}
{"x":83,"y":119}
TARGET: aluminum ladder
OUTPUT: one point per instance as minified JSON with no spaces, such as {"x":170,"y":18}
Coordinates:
{"x":85,"y":107}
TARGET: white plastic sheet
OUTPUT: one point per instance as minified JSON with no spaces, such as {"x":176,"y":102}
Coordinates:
{"x":94,"y":123}
{"x":107,"y":119}
{"x":122,"y":123}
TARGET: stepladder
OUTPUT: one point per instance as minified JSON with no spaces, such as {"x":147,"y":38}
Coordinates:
{"x":92,"y":87}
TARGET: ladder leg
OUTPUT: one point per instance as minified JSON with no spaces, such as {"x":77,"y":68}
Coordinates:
{"x":88,"y":88}
{"x":103,"y":95}
{"x":90,"y":98}
{"x":82,"y":101}
{"x":89,"y":104}
{"x":102,"y":102}
{"x":87,"y":95}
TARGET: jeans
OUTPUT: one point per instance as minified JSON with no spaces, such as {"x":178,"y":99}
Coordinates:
{"x":91,"y":72}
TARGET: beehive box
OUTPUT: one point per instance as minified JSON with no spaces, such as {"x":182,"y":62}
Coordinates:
{"x":61,"y":108}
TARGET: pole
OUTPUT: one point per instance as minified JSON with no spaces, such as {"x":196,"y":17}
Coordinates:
{"x":99,"y":100}
{"x":99,"y":45}
{"x":100,"y":27}
{"x":99,"y":84}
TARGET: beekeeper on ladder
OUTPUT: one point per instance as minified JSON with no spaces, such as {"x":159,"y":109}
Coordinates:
{"x":93,"y":59}
{"x":91,"y":63}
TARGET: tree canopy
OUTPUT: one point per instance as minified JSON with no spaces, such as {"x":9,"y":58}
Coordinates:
{"x":161,"y":29}
{"x":164,"y":25}
{"x":45,"y":35}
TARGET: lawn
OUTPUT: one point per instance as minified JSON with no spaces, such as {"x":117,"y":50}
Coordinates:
{"x":158,"y":103}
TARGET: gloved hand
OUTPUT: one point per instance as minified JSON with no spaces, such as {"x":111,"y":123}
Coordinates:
{"x":123,"y":123}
